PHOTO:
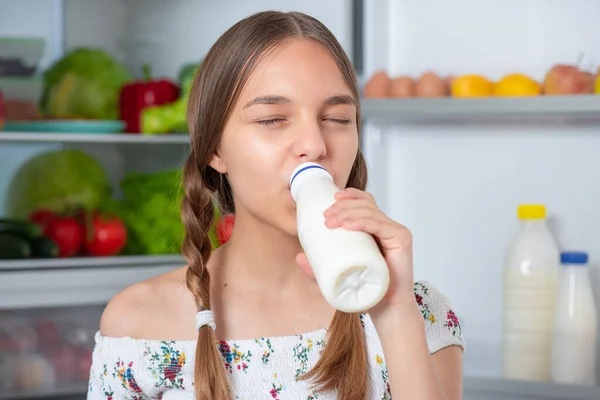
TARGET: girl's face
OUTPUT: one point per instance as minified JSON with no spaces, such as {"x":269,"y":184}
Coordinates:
{"x":296,"y":107}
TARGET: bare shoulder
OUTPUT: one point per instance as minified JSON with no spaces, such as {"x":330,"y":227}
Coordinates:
{"x":157,"y":308}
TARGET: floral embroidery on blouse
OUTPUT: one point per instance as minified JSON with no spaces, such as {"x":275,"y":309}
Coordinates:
{"x":125,"y":374}
{"x":262,"y":342}
{"x":387,"y":395}
{"x":166,"y":365}
{"x":453,"y":324}
{"x":424,"y":307}
{"x":277,"y":387}
{"x":233,"y":357}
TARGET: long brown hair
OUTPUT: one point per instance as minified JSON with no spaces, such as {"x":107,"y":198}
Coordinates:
{"x":216,"y":89}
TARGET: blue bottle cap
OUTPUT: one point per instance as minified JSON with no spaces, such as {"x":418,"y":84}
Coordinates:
{"x":573,"y":257}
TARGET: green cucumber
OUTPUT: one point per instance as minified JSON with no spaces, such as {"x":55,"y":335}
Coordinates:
{"x":25,"y":229}
{"x":14,"y":247}
{"x":43,"y":247}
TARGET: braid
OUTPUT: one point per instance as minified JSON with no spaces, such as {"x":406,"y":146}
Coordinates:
{"x":197,"y":211}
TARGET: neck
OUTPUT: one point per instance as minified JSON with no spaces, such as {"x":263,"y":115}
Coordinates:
{"x":259,"y":256}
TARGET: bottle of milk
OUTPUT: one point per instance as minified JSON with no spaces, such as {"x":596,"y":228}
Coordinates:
{"x":575,"y":323}
{"x":349,"y":268}
{"x":530,"y":279}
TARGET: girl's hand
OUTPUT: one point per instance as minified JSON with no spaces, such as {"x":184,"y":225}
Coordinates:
{"x":357,"y":210}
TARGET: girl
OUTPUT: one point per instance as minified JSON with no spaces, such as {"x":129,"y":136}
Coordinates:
{"x":249,"y":322}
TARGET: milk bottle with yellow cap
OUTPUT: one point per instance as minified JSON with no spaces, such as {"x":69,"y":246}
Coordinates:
{"x":530,"y":282}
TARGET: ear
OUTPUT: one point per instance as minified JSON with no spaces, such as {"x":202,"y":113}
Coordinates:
{"x":216,"y":162}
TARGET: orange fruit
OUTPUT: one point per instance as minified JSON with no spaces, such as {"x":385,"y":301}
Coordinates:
{"x":472,"y":86}
{"x":517,"y":85}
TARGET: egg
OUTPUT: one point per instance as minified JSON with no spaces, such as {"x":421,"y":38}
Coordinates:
{"x":431,"y":85}
{"x":378,"y":86}
{"x":403,"y":86}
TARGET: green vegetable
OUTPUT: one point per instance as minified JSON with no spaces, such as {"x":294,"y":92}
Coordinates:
{"x":25,"y":229}
{"x":86,"y":83}
{"x":43,"y":247}
{"x":165,"y":118}
{"x":13,"y":247}
{"x":151,"y":211}
{"x":186,"y":76}
{"x":58,"y":180}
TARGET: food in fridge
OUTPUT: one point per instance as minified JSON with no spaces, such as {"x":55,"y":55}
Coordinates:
{"x":378,"y":85}
{"x":68,"y":234}
{"x":431,"y":84}
{"x":225,"y":227}
{"x":564,"y":79}
{"x":2,"y":110}
{"x":21,"y":239}
{"x":402,"y":86}
{"x":513,"y":85}
{"x":575,"y":330}
{"x":84,"y":84}
{"x":137,"y":95}
{"x":59,"y":180}
{"x":21,"y":110}
{"x":472,"y":85}
{"x":105,"y":235}
{"x":186,"y":76}
{"x":150,"y":208}
{"x":46,"y":349}
{"x":530,"y":281}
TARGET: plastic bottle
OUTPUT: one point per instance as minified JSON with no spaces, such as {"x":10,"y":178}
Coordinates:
{"x":349,"y":268}
{"x":575,"y":323}
{"x":530,"y":280}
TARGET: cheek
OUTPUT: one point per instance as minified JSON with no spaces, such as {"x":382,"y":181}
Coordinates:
{"x":253,"y":176}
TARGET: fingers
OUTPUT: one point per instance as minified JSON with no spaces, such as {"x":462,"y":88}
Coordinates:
{"x":339,"y":216}
{"x":353,"y":193}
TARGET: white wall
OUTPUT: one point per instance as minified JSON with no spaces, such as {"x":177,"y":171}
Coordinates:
{"x":457,"y":187}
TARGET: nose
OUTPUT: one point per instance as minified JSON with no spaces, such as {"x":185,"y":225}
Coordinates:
{"x":310,"y":143}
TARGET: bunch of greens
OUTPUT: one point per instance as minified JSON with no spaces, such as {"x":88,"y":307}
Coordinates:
{"x":151,"y":211}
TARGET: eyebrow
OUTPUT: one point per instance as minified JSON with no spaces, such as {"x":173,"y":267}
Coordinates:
{"x":331,"y":101}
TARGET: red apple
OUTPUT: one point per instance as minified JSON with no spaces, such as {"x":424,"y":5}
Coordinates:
{"x":567,"y":79}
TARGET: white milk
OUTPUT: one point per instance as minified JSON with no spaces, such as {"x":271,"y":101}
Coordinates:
{"x":530,"y":280}
{"x":350,"y":270}
{"x":575,"y":324}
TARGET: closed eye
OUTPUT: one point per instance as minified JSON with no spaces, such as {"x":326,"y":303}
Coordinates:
{"x":267,"y":122}
{"x":338,"y":121}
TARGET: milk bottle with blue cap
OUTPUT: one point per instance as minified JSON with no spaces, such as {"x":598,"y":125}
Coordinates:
{"x":349,"y":268}
{"x":575,"y":323}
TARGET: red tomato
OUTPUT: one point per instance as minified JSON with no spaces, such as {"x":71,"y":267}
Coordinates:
{"x":107,"y":237}
{"x":225,"y":227}
{"x":67,"y":233}
{"x":42,"y":217}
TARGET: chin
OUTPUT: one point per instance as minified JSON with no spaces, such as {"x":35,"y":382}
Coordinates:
{"x":288,"y":224}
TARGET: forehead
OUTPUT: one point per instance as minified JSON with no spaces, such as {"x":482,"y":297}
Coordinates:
{"x":300,"y":69}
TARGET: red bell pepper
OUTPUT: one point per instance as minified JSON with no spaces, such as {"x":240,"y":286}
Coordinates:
{"x":138,"y":95}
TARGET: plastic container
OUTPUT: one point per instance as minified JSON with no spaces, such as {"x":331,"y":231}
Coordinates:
{"x":575,"y":323}
{"x":530,"y":281}
{"x":349,"y":268}
{"x":20,"y":56}
{"x":45,"y":350}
